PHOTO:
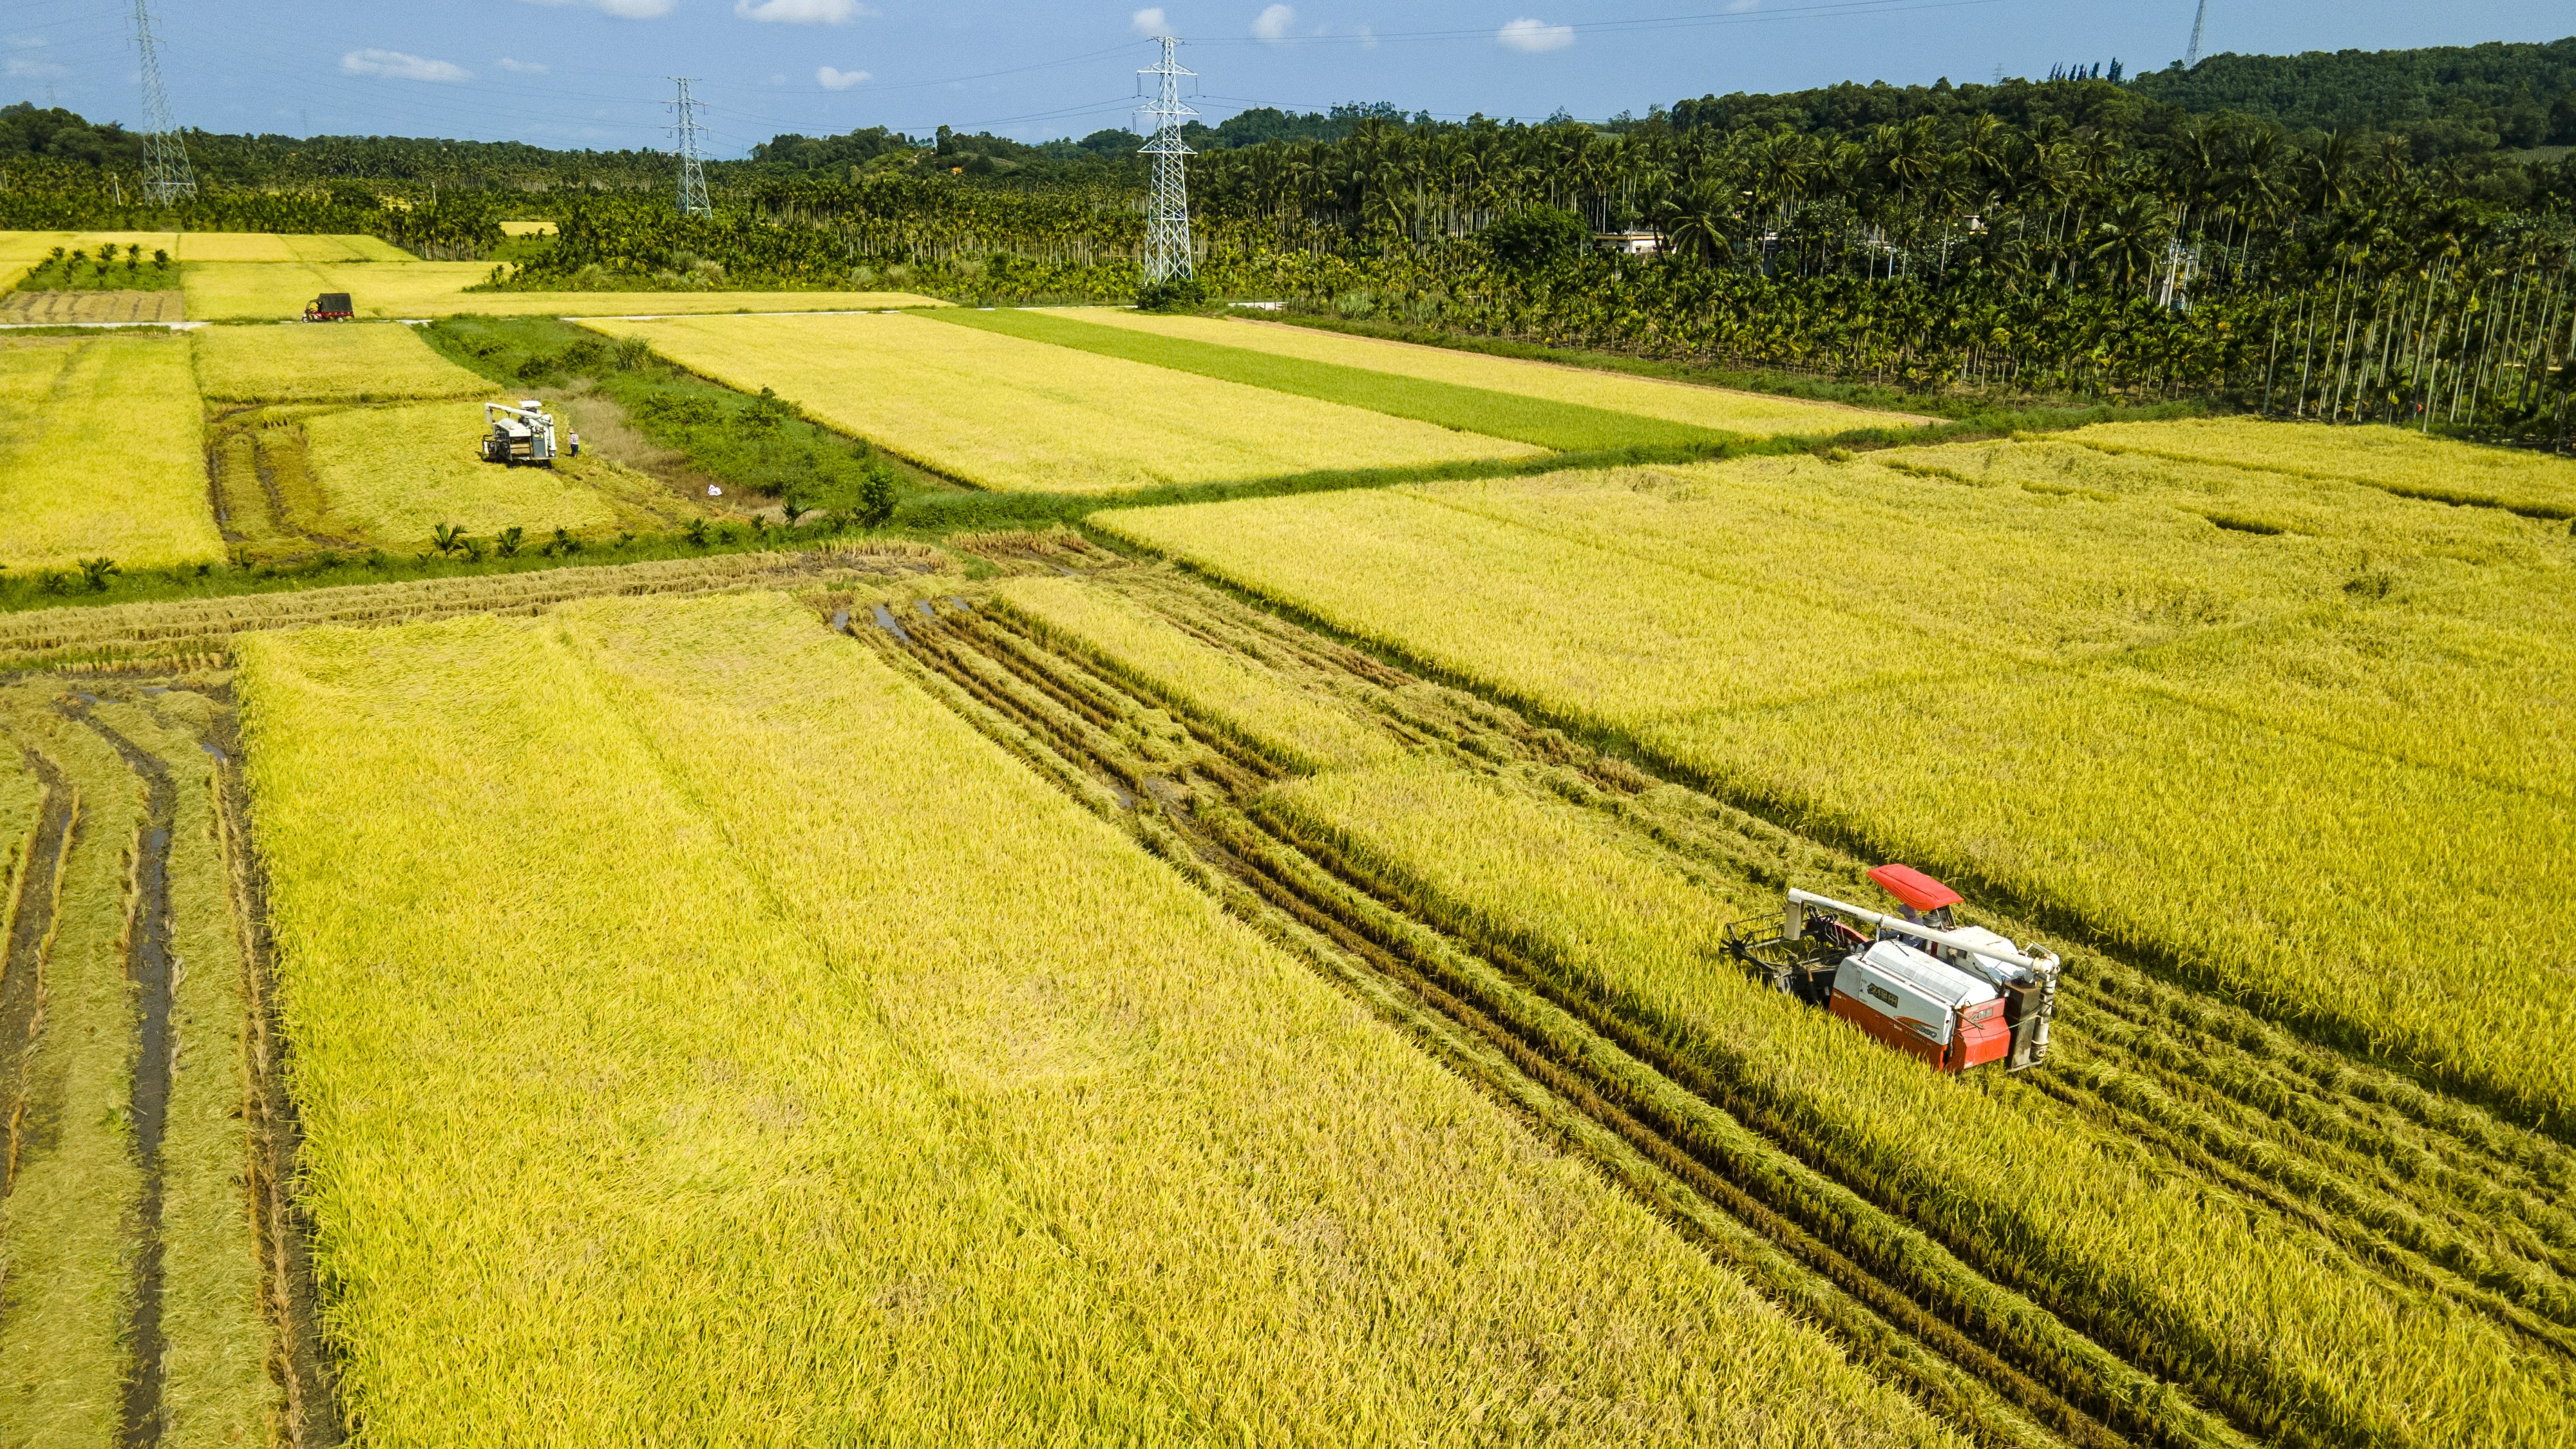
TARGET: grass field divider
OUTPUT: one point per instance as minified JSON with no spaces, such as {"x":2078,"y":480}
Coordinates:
{"x":289,"y":1297}
{"x":34,"y":896}
{"x":1754,"y":1166}
{"x":1559,"y":426}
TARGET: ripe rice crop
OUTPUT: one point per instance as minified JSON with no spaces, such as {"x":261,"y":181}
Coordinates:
{"x":830,"y":1076}
{"x":1716,"y":409}
{"x":107,"y":461}
{"x":1265,"y":712}
{"x":278,"y":291}
{"x":2400,"y":460}
{"x":234,"y":246}
{"x":2306,"y":1342}
{"x":357,"y":362}
{"x":395,"y":473}
{"x":1544,"y":422}
{"x":1815,"y":653}
{"x":1020,"y":416}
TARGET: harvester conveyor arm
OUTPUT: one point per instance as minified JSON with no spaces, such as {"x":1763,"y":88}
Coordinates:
{"x":1797,"y":926}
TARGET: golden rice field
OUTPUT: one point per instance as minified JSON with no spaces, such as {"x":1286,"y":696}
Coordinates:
{"x":275,"y":291}
{"x":2407,"y":463}
{"x":1004,"y":413}
{"x":99,"y":454}
{"x":844,"y":1080}
{"x":2053,"y":680}
{"x":346,"y":362}
{"x":394,"y":473}
{"x":1747,"y":413}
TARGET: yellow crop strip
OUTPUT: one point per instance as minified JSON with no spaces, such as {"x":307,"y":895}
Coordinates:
{"x":2065,"y":694}
{"x":355,"y":362}
{"x":1021,"y":416}
{"x":395,"y":473}
{"x":1750,"y":413}
{"x":845,"y":1081}
{"x":1270,"y":715}
{"x":2398,"y":459}
{"x":108,"y":463}
{"x":384,"y":289}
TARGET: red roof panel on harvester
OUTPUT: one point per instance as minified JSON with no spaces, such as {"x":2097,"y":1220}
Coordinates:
{"x":1914,"y":888}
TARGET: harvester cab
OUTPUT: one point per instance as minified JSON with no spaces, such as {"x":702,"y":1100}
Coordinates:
{"x":522,"y":434}
{"x":1956,"y":996}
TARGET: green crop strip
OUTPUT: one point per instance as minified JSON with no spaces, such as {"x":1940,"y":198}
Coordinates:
{"x":1565,"y":427}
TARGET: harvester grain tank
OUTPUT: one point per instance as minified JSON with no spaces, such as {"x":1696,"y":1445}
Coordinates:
{"x":1956,"y":996}
{"x":330,"y":307}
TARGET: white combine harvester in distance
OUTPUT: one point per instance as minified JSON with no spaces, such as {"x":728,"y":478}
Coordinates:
{"x":1956,"y":996}
{"x":523,"y":434}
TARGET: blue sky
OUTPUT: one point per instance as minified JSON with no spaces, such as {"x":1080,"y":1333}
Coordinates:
{"x":592,"y":72}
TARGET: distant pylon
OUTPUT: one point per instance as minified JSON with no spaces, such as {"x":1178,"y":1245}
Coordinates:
{"x":2191,"y":53}
{"x":167,"y":176}
{"x":693,"y":177}
{"x":1167,"y":216}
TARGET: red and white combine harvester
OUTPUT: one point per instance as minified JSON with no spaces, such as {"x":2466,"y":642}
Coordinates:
{"x":1956,"y":996}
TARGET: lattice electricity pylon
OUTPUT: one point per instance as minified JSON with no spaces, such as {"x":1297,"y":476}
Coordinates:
{"x":693,"y":177}
{"x":2191,"y":52}
{"x":1167,"y":216}
{"x":167,"y":176}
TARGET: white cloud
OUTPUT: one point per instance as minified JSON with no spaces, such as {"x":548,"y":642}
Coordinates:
{"x":1150,"y":23}
{"x":1272,"y":24}
{"x":1530,"y":37}
{"x":522,"y":67}
{"x":622,"y":9}
{"x":394,"y":65}
{"x":839,"y":80}
{"x":802,"y":12}
{"x":19,"y":65}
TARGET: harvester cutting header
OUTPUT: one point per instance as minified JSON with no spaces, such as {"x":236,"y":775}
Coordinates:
{"x":1956,"y":996}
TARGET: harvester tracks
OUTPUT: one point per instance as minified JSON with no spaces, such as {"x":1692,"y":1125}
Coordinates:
{"x":1994,"y":1363}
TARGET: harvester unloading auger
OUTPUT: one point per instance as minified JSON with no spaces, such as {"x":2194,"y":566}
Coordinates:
{"x":1956,"y":996}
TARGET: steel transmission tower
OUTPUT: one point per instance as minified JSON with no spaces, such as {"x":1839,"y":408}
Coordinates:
{"x":1167,"y":219}
{"x":693,"y":177}
{"x":167,"y":176}
{"x":2191,"y":53}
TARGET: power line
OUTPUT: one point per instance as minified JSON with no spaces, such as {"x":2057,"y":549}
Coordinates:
{"x":693,"y":177}
{"x":1167,"y":216}
{"x":167,"y":176}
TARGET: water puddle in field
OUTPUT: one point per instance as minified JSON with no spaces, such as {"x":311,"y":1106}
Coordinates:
{"x":885,"y":621}
{"x":960,"y":605}
{"x":927,"y":612}
{"x":841,"y":622}
{"x":21,"y":967}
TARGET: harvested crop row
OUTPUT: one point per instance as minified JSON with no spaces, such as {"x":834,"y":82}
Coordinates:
{"x":834,"y":1172}
{"x":1541,"y":421}
{"x":360,"y":362}
{"x":1715,"y":409}
{"x":2193,"y":834}
{"x":130,"y":1292}
{"x":108,"y":463}
{"x":1020,"y":416}
{"x":1272,"y":716}
{"x":181,"y":627}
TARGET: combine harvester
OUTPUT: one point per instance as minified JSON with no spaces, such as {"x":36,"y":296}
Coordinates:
{"x":522,"y":434}
{"x":1956,"y":996}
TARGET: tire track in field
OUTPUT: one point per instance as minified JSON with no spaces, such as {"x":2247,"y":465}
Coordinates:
{"x":1902,"y":1324}
{"x":31,"y":929}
